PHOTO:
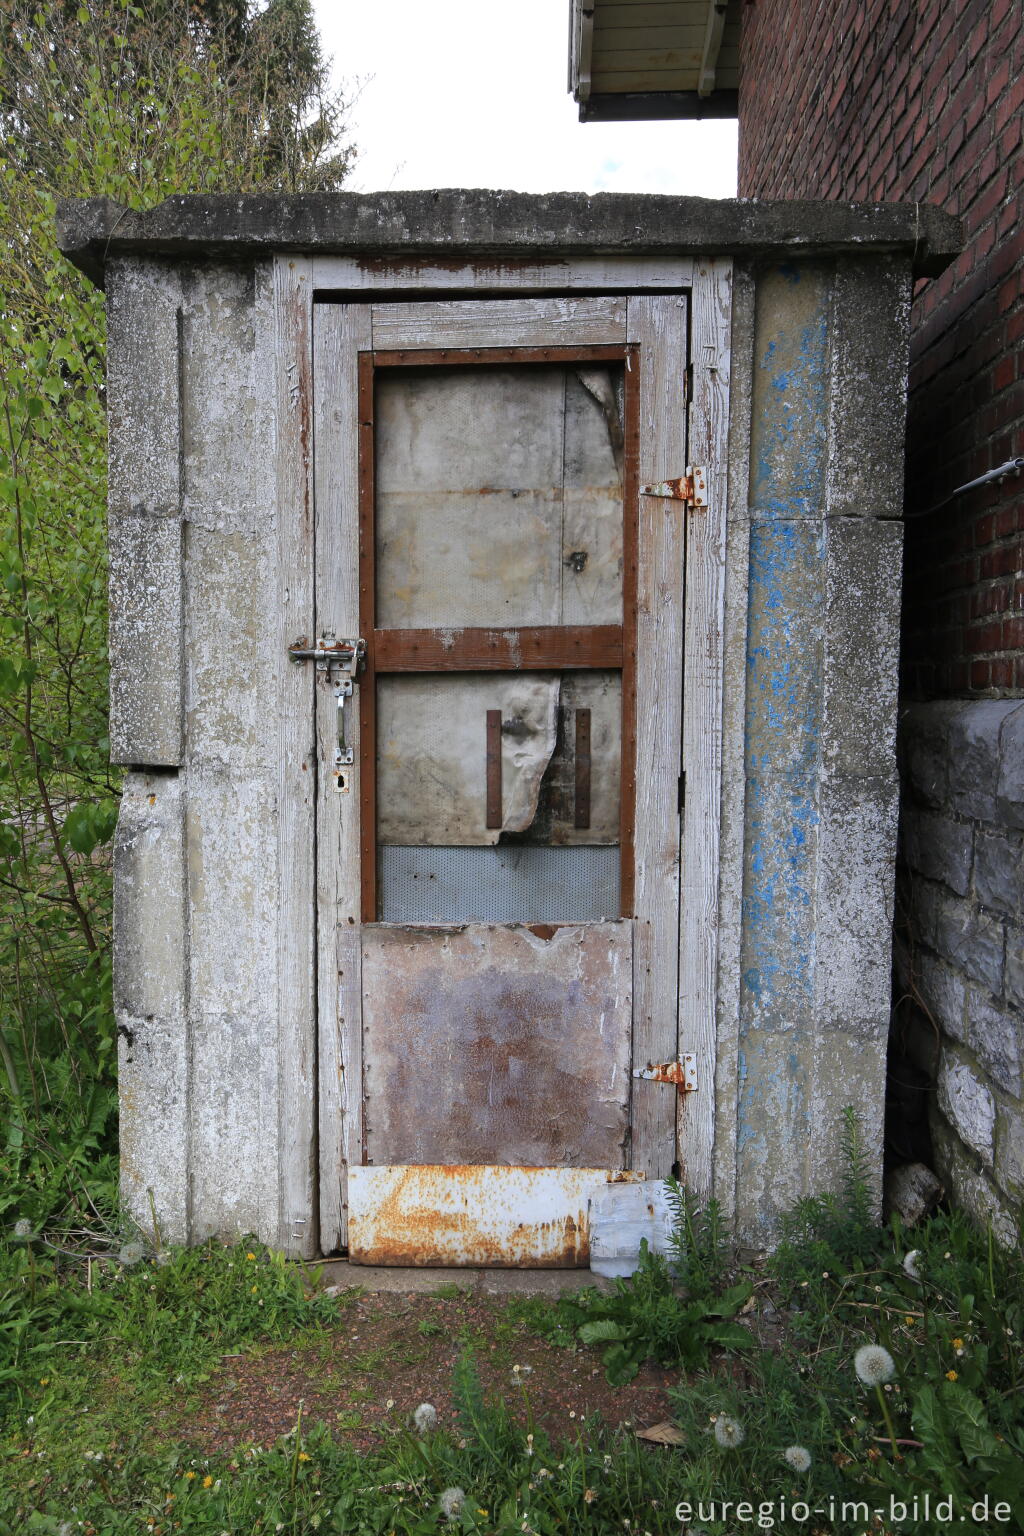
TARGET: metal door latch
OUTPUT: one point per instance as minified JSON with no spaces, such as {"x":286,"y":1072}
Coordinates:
{"x":341,"y":660}
{"x":691,"y":488}
{"x":347,"y":656}
{"x":681,"y":1073}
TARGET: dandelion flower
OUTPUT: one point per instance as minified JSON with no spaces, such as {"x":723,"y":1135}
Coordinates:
{"x":951,"y":1376}
{"x":873,"y":1365}
{"x":207,"y":1481}
{"x":451,"y":1501}
{"x":910,"y":1264}
{"x":958,"y":1344}
{"x":798,"y":1457}
{"x":425,"y":1418}
{"x":729,"y":1433}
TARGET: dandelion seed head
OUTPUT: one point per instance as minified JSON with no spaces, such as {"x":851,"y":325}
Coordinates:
{"x":23,"y":1228}
{"x":729,"y":1433}
{"x":131,"y":1253}
{"x":798,"y":1457}
{"x":910,"y":1264}
{"x":873,"y":1365}
{"x":451,"y":1502}
{"x":425,"y":1418}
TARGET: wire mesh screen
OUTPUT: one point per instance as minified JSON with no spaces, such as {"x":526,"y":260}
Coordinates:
{"x":504,"y":884}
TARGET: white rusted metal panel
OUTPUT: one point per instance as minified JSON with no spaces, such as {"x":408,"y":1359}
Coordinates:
{"x":473,"y":1216}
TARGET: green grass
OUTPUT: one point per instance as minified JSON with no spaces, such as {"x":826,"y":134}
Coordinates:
{"x":87,"y":1354}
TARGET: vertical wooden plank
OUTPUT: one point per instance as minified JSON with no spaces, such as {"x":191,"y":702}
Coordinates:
{"x":630,"y":564}
{"x":702,"y":717}
{"x":659,"y":326}
{"x":296,"y":763}
{"x":366,"y":478}
{"x":583,"y":769}
{"x":493,"y":768}
{"x":340,"y":332}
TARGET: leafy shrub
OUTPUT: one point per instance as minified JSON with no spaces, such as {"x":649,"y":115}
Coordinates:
{"x":672,"y":1309}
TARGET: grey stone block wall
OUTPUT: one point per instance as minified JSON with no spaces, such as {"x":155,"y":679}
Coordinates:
{"x":961,"y":959}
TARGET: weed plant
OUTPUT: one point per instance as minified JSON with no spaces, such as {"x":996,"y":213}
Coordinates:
{"x":675,"y":1309}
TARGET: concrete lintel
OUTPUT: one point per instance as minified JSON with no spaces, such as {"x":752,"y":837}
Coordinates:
{"x":92,"y":230}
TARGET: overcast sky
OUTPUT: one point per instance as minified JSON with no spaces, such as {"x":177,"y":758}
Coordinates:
{"x":470,"y":93}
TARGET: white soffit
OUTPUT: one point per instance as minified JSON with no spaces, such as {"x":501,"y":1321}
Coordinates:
{"x":652,"y":51}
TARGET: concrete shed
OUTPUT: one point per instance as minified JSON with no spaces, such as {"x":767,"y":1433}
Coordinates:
{"x":504,"y":626}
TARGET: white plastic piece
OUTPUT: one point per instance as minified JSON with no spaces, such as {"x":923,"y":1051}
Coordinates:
{"x":621,"y":1216}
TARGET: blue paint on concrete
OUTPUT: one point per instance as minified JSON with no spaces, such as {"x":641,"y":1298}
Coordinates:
{"x":772,"y":1095}
{"x":782,"y":754}
{"x":788,"y":448}
{"x":783,"y":721}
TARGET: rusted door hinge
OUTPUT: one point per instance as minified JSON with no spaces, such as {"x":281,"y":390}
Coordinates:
{"x":691,"y":488}
{"x":681,"y":1073}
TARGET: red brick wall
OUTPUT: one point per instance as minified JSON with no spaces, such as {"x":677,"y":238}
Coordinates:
{"x":923,"y":100}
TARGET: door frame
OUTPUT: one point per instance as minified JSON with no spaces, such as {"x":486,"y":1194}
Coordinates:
{"x":675,"y":1002}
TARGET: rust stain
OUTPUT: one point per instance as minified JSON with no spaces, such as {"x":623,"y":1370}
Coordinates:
{"x":465,"y":1214}
{"x":680,"y":489}
{"x":680,"y":1074}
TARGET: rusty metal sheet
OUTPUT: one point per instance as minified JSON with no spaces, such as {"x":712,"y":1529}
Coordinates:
{"x":462,"y":1215}
{"x":497,"y":1045}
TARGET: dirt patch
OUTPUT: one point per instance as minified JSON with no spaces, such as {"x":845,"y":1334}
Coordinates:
{"x":388,"y":1354}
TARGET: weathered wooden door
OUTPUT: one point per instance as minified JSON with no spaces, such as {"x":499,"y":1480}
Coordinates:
{"x":498,"y":833}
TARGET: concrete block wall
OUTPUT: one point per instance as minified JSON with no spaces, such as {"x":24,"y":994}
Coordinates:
{"x":960,"y":950}
{"x":194,"y":604}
